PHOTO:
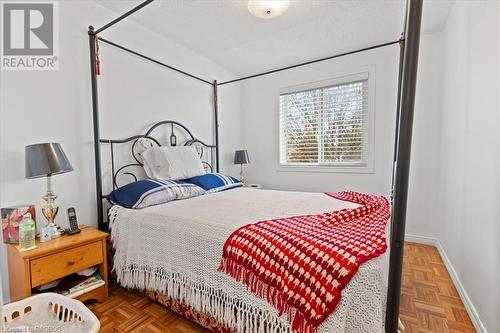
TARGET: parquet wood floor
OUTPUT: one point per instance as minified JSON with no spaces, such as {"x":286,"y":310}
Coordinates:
{"x":133,"y":312}
{"x":429,"y":303}
{"x":429,"y":300}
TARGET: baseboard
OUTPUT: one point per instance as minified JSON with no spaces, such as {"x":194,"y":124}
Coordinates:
{"x":421,"y":239}
{"x":469,"y":306}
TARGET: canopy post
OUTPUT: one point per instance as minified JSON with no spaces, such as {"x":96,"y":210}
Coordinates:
{"x":95,"y":120}
{"x":216,"y":125}
{"x":400,"y":77}
{"x":404,"y":126}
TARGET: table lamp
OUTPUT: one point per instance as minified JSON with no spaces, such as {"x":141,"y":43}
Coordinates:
{"x":46,"y":160}
{"x":241,"y":157}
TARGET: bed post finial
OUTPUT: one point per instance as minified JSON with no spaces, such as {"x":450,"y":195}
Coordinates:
{"x":91,"y":30}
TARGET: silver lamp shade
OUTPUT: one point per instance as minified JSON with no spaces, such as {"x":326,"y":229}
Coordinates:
{"x":46,"y":159}
{"x":241,"y":157}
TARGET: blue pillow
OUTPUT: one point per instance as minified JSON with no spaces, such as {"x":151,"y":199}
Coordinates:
{"x":150,"y":192}
{"x":214,"y":182}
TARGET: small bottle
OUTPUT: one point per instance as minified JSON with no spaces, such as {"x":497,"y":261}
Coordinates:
{"x":27,"y":231}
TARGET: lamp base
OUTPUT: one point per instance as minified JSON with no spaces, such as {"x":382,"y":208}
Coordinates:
{"x":55,"y":230}
{"x":242,"y":176}
{"x":50,"y":210}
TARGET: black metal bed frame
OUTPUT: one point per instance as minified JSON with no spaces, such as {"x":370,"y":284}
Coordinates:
{"x":148,"y":137}
{"x":409,"y":51}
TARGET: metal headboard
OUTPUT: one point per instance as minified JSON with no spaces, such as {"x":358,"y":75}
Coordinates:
{"x":147,"y":139}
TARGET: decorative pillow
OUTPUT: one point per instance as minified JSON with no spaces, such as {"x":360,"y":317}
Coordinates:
{"x":150,"y":192}
{"x":172,"y":162}
{"x":214,"y":182}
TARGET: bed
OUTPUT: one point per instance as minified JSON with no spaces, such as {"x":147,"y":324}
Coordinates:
{"x":171,"y":250}
{"x":185,"y":239}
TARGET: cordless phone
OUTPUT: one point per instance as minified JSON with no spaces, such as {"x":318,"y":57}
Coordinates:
{"x":73,"y":224}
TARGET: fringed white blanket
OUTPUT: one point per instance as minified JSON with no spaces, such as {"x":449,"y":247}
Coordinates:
{"x":176,"y":248}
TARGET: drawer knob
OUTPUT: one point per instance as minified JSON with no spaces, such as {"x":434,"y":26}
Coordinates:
{"x":71,"y":263}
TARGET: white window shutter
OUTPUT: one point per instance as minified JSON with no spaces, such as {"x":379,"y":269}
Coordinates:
{"x":325,"y":126}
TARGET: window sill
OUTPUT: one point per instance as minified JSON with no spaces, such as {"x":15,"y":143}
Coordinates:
{"x":324,"y":169}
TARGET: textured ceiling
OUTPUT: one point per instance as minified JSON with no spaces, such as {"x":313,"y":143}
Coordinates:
{"x":225,"y":32}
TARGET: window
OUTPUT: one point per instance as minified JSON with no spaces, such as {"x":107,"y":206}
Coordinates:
{"x":325,"y":124}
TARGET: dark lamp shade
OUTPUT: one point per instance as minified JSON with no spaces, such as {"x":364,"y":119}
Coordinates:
{"x":241,"y":157}
{"x":44,"y":159}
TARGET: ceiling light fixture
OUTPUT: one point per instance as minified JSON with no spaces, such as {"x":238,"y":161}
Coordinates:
{"x":267,"y":9}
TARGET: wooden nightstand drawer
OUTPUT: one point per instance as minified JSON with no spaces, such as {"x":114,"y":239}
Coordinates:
{"x":58,"y":265}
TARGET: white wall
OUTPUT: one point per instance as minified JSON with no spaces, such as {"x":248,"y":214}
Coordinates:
{"x":56,"y":106}
{"x":425,"y":153}
{"x":261,"y":114}
{"x":468,"y":178}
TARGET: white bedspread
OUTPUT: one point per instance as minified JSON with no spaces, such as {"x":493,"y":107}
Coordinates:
{"x":175,"y":248}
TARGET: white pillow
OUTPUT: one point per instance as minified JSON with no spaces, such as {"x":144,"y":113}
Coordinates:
{"x":172,"y":162}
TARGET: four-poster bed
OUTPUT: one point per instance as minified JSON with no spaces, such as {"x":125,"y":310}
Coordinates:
{"x":409,"y":46}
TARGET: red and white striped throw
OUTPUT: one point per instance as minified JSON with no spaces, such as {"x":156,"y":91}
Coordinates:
{"x":301,"y":264}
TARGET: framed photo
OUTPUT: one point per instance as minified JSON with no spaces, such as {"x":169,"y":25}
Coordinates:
{"x":11,"y":218}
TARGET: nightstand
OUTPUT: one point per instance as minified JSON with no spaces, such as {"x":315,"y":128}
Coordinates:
{"x":58,"y":258}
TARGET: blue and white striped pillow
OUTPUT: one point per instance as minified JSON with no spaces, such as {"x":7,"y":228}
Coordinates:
{"x":150,"y":192}
{"x":214,"y":182}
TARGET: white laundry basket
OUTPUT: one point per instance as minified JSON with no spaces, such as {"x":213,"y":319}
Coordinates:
{"x":49,"y":312}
